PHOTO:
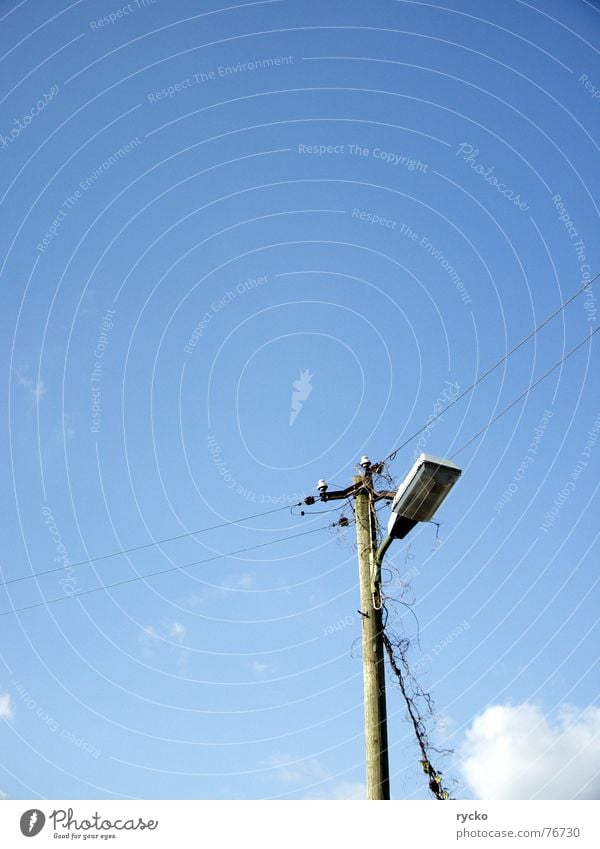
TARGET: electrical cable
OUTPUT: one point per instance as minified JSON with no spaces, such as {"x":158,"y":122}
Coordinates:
{"x":314,"y":512}
{"x":162,"y":572}
{"x":526,"y":392}
{"x":390,"y":457}
{"x":141,"y":547}
{"x":393,"y":454}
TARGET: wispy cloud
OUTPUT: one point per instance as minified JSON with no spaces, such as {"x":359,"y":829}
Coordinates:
{"x":260,"y":667}
{"x":6,"y":709}
{"x":177,"y":631}
{"x":345,"y":790}
{"x":239,"y":582}
{"x":68,"y":428}
{"x":517,"y":752}
{"x":292,"y":770}
{"x":312,"y":779}
{"x":147,"y":638}
{"x":153,"y":639}
{"x":3,"y":795}
{"x":36,"y":389}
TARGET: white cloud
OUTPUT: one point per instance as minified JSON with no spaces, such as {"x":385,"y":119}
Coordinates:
{"x":3,"y":795}
{"x":516,"y":752}
{"x":6,"y":708}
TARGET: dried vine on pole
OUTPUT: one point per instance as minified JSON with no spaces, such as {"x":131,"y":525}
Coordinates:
{"x":397,"y":652}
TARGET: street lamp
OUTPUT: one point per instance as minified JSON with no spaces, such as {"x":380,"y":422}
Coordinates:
{"x":418,"y":497}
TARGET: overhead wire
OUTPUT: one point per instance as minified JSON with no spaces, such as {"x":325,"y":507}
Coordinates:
{"x":313,"y":512}
{"x":435,"y":778}
{"x":390,"y":456}
{"x":486,"y":373}
{"x":141,"y":547}
{"x":158,"y":572}
{"x":526,"y":392}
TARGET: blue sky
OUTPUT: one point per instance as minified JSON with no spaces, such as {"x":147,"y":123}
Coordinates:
{"x":240,"y":248}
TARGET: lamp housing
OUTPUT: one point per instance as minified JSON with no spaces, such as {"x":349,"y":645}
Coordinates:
{"x":421,"y":493}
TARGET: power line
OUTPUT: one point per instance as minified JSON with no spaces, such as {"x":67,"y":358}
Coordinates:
{"x":526,"y":392}
{"x":141,"y":547}
{"x":491,"y":369}
{"x":105,"y":587}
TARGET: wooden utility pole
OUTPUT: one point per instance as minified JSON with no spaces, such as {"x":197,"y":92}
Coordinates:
{"x":378,"y":772}
{"x":369,"y":566}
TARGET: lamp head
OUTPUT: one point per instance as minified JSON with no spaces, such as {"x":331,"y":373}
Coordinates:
{"x":425,"y":488}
